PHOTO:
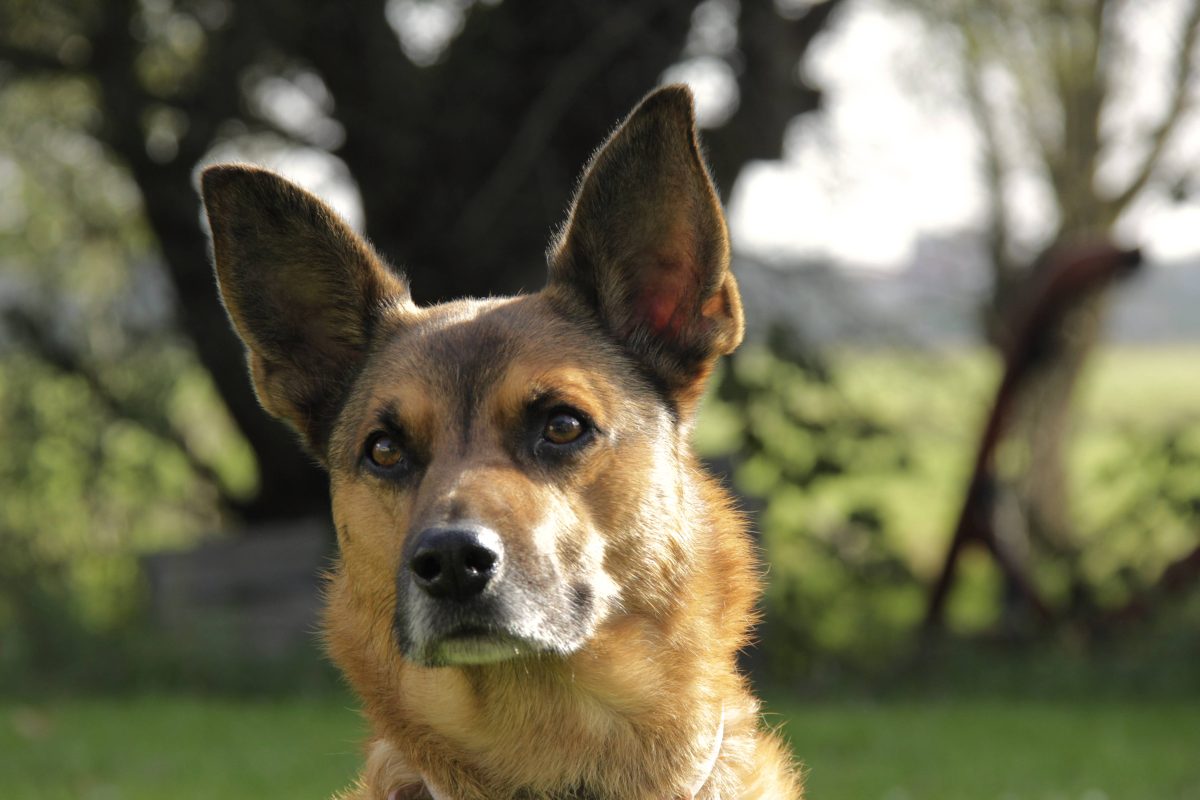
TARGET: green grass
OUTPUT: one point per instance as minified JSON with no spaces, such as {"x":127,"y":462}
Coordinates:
{"x":178,"y":747}
{"x":996,"y":749}
{"x":962,"y":748}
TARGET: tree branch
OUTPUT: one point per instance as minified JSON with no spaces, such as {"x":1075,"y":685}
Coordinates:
{"x":1180,"y":104}
{"x":1179,"y":576}
{"x":993,"y":167}
{"x":1080,"y":86}
{"x":1025,"y":55}
{"x":30,"y":62}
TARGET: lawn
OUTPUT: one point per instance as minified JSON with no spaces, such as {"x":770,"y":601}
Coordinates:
{"x":168,"y":746}
{"x":179,"y":747}
{"x":997,"y":749}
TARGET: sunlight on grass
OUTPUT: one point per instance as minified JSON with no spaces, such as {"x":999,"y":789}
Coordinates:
{"x":998,"y":749}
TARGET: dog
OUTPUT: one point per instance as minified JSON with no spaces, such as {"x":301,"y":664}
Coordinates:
{"x":539,"y":593}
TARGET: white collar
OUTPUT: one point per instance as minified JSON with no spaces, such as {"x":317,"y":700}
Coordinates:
{"x":703,"y":774}
{"x":710,"y":763}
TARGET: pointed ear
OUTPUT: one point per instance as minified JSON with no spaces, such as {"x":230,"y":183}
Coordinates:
{"x":302,"y":290}
{"x":646,"y":249}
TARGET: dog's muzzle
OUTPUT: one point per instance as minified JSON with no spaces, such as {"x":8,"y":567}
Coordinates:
{"x":450,"y":607}
{"x":462,"y":599}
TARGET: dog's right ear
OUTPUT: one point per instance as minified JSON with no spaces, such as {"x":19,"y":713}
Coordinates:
{"x":302,"y":289}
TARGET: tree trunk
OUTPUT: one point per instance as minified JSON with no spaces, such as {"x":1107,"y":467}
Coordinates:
{"x":290,"y":485}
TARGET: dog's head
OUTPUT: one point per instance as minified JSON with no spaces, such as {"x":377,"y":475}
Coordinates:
{"x":506,"y":474}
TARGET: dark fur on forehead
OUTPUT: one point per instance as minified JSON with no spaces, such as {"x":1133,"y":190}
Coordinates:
{"x":468,"y":359}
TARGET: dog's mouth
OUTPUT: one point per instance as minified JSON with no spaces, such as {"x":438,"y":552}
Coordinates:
{"x":486,"y":633}
{"x":475,"y":645}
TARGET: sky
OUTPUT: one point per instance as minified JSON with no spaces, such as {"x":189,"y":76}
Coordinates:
{"x":895,"y":157}
{"x":862,"y":180}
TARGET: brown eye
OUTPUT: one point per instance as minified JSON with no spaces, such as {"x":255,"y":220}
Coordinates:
{"x":563,"y":428}
{"x":385,"y":452}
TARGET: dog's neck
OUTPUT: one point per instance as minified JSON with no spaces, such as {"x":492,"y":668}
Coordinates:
{"x":703,"y":774}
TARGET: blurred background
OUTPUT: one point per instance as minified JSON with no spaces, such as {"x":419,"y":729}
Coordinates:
{"x":966,"y":419}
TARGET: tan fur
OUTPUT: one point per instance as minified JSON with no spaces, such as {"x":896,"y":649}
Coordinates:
{"x":625,"y":700}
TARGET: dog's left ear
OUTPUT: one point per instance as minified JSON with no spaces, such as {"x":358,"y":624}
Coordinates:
{"x":646,"y":248}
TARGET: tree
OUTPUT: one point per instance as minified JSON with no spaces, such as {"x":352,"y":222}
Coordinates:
{"x":464,"y":148}
{"x":1044,"y":82}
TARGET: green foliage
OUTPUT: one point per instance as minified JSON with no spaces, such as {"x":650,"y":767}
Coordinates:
{"x":85,"y":493}
{"x":115,"y":441}
{"x":860,"y":464}
{"x":1144,"y":510}
{"x":838,"y":580}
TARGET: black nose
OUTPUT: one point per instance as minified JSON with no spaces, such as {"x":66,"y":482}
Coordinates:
{"x":455,"y":563}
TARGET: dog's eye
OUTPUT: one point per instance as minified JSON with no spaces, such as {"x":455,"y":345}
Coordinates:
{"x":385,"y":452}
{"x":563,"y":427}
